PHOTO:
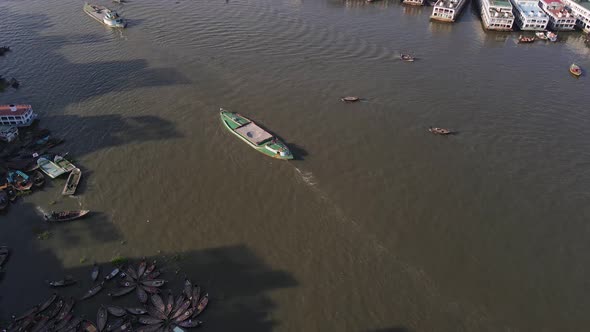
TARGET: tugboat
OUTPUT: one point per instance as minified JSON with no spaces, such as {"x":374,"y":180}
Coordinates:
{"x":105,"y":16}
{"x":254,"y":136}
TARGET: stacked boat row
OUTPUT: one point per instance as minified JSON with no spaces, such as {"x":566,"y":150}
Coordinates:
{"x":533,"y":15}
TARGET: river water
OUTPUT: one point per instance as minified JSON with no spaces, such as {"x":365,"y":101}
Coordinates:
{"x":377,"y":226}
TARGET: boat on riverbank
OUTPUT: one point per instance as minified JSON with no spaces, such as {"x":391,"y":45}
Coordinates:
{"x":72,"y":182}
{"x":254,"y":136}
{"x":49,"y":167}
{"x":447,"y":10}
{"x":19,"y":180}
{"x":105,"y":15}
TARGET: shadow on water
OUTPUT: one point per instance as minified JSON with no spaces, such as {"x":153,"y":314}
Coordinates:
{"x":65,"y":83}
{"x":299,"y":153}
{"x":235,"y":278}
{"x":93,"y":133}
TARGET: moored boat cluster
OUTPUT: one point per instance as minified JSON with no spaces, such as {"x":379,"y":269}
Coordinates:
{"x":156,"y":311}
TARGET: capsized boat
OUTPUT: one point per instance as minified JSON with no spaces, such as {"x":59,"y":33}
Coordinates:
{"x":66,"y":215}
{"x":575,"y":70}
{"x":64,"y":163}
{"x":72,"y":182}
{"x":104,"y":15}
{"x":50,"y":168}
{"x":255,"y":136}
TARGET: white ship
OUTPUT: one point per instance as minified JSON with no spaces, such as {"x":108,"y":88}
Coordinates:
{"x":529,"y":16}
{"x":560,"y":17}
{"x":447,"y":10}
{"x":496,"y":15}
{"x":414,"y":2}
{"x":581,"y":11}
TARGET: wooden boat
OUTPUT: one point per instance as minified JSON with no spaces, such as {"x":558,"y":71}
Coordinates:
{"x":101,"y":318}
{"x":3,"y":200}
{"x":66,"y":281}
{"x":93,"y":291}
{"x":525,"y":40}
{"x":19,"y":180}
{"x":88,"y":326}
{"x":66,"y":215}
{"x":154,"y":283}
{"x":406,"y":58}
{"x":122,"y":291}
{"x":202,"y":304}
{"x":112,"y":274}
{"x":575,"y":70}
{"x":136,"y":311}
{"x":116,"y":311}
{"x":254,"y":136}
{"x":350,"y":99}
{"x":72,"y":182}
{"x":95,"y":272}
{"x":49,"y":167}
{"x":38,"y":179}
{"x":64,"y":163}
{"x":541,"y":35}
{"x":439,"y":131}
{"x":47,"y":303}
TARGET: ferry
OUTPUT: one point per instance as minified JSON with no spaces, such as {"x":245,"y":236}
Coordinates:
{"x":105,"y":16}
{"x":581,"y":11}
{"x":414,"y":2}
{"x":447,"y":10}
{"x":497,"y":15}
{"x":529,"y":16}
{"x":16,"y":115}
{"x":560,"y":17}
{"x":254,"y":136}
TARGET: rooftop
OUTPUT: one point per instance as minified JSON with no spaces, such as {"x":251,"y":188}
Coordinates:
{"x":530,"y":8}
{"x":500,"y":3}
{"x":253,"y":133}
{"x":448,"y":3}
{"x":14,"y":110}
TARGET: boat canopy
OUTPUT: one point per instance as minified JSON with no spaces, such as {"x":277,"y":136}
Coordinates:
{"x":253,"y":133}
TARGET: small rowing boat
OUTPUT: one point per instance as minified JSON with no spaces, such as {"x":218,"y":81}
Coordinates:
{"x":439,"y":131}
{"x":63,"y":163}
{"x":66,"y":215}
{"x":551,"y":36}
{"x":50,"y":168}
{"x":38,"y":179}
{"x":406,"y":58}
{"x":541,"y":35}
{"x":350,"y":99}
{"x":525,"y":40}
{"x":72,"y":182}
{"x":254,"y":136}
{"x":575,"y":70}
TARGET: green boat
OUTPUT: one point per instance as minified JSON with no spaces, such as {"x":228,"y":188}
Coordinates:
{"x":255,"y":136}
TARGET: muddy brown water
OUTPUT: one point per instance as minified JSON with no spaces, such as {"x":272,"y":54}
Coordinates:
{"x":378,"y":226}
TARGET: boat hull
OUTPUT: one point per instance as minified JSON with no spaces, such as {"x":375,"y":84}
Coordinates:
{"x":265,"y":148}
{"x":72,"y":182}
{"x":50,"y":168}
